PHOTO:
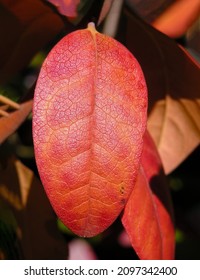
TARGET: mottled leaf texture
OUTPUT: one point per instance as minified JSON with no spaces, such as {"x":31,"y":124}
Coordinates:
{"x":148,"y":215}
{"x":174,"y":91}
{"x":88,"y":123}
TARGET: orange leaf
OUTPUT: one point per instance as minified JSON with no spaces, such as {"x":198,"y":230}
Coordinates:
{"x":148,"y":217}
{"x":177,"y":19}
{"x":88,"y":123}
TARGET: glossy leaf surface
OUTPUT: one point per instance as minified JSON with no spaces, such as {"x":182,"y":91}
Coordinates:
{"x":148,"y":216}
{"x":88,"y":123}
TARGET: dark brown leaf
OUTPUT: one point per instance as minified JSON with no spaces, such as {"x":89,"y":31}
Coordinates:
{"x":174,"y":91}
{"x":9,"y":234}
{"x":26,"y":26}
{"x":23,"y":193}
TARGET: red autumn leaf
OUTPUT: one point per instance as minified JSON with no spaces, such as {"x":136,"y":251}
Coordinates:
{"x":148,"y":217}
{"x":161,"y":194}
{"x":140,"y":221}
{"x":88,"y":122}
{"x":174,"y":90}
{"x":171,"y":16}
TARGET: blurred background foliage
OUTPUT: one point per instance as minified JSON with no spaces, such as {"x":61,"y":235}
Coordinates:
{"x":184,"y":181}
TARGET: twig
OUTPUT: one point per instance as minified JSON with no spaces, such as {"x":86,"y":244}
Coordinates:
{"x":3,"y":113}
{"x":112,"y":19}
{"x":9,"y":102}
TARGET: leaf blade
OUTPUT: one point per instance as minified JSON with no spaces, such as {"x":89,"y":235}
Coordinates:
{"x":148,"y":215}
{"x":93,"y":185}
{"x":173,"y":84}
